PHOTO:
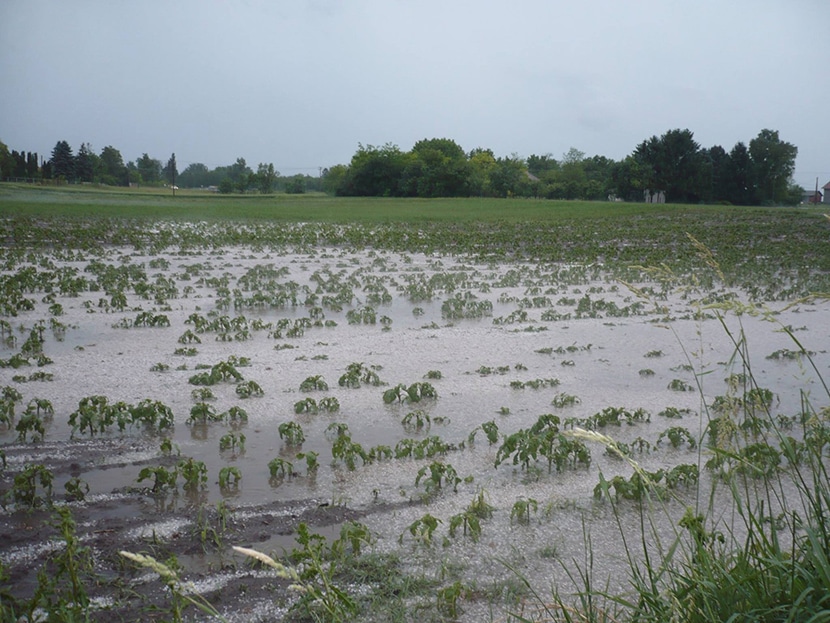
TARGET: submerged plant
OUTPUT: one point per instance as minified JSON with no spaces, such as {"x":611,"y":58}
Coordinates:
{"x":291,"y":433}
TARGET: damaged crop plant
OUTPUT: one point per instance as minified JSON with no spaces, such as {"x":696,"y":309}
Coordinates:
{"x":492,"y":432}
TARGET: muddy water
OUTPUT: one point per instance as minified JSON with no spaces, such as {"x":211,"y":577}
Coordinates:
{"x":601,"y":360}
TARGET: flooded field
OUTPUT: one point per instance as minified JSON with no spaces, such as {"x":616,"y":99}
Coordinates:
{"x":477,"y":430}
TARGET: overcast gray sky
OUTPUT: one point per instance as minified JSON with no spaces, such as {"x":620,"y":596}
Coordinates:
{"x":300,"y":83}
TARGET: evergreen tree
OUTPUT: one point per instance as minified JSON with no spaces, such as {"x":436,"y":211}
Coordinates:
{"x":170,"y":171}
{"x":739,"y":177}
{"x":32,"y":168}
{"x":84,"y":166}
{"x":63,"y":162}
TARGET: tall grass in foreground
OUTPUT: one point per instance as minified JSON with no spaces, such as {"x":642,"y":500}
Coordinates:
{"x":766,"y":557}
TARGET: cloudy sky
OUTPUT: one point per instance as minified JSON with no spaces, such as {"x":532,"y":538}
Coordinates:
{"x":300,"y":83}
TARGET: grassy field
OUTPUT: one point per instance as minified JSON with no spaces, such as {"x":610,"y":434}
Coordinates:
{"x":155,"y":203}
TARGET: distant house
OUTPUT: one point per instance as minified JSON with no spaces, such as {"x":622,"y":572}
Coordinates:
{"x":826,"y":189}
{"x":812,"y":196}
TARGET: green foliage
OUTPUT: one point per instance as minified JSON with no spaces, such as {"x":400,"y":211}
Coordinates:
{"x":416,"y":421}
{"x":76,"y":489}
{"x":348,"y":451}
{"x":437,"y":474}
{"x":163,"y":479}
{"x":522,"y":510}
{"x":358,"y":374}
{"x":248,"y":389}
{"x":232,"y":441}
{"x":677,"y":436}
{"x":229,"y":478}
{"x":414,"y":393}
{"x":314,"y":383}
{"x":280,"y":468}
{"x":291,"y":433}
{"x":422,"y":529}
{"x":32,"y":487}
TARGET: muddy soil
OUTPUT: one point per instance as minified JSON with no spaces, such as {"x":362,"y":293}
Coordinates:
{"x":170,"y":528}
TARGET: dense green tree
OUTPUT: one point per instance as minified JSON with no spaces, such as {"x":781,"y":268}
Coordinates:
{"x":150,"y":169}
{"x":334,"y":178}
{"x":63,"y":162}
{"x":226,"y":186}
{"x":436,"y":167}
{"x":19,"y":164}
{"x":266,"y":178}
{"x":628,"y":179}
{"x":673,"y":163}
{"x":6,"y":161}
{"x":86,"y":162}
{"x":508,"y":177}
{"x":598,"y":171}
{"x":295,"y":185}
{"x":375,"y":172}
{"x":196,"y":175}
{"x":32,"y":168}
{"x":572,"y":177}
{"x":113,"y":171}
{"x":716,"y":168}
{"x":773,"y":162}
{"x":481,"y":163}
{"x":739,"y":177}
{"x":539,"y":165}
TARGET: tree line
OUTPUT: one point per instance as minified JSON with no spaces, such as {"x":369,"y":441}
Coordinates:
{"x":673,"y":164}
{"x":108,"y":167}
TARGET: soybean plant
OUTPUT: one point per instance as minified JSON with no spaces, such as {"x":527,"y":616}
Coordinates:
{"x":291,"y":433}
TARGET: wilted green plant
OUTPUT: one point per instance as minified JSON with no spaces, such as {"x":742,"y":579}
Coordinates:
{"x":437,"y":474}
{"x":194,"y":473}
{"x":229,"y":478}
{"x":490,"y":429}
{"x":62,"y":592}
{"x":202,"y":394}
{"x":235,"y":415}
{"x":232,"y":441}
{"x":280,"y":468}
{"x":76,"y":489}
{"x":335,"y":430}
{"x":320,"y":598}
{"x":677,"y":435}
{"x":30,"y":423}
{"x":329,"y":404}
{"x":32,"y":487}
{"x":357,"y":374}
{"x":202,"y":412}
{"x":422,"y":529}
{"x":522,"y":510}
{"x":468,"y":522}
{"x":311,"y":462}
{"x":314,"y":383}
{"x":416,"y":420}
{"x":348,"y":451}
{"x":163,"y":479}
{"x":678,"y":385}
{"x":306,"y":405}
{"x":414,"y":393}
{"x":248,"y":389}
{"x":291,"y":433}
{"x":563,"y":400}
